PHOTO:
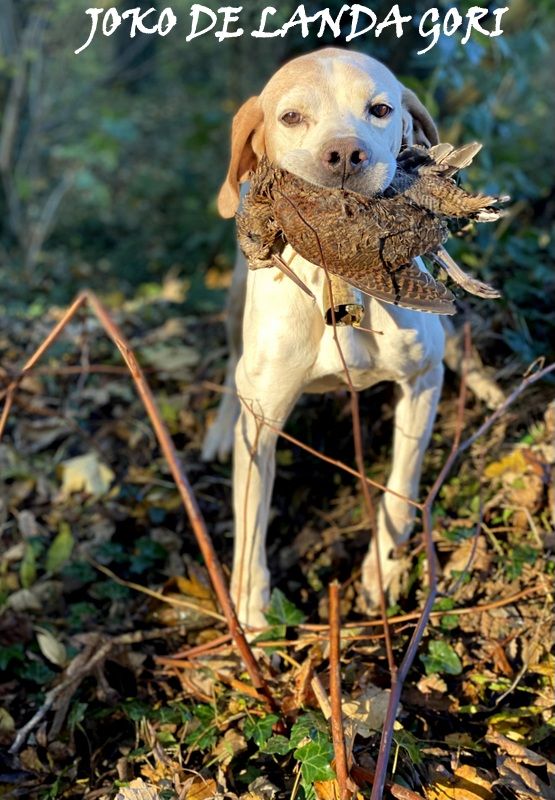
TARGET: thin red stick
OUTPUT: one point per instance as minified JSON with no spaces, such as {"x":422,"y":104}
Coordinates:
{"x":337,"y":733}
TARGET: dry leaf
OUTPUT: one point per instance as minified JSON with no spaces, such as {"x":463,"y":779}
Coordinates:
{"x":200,"y":789}
{"x":514,"y":775}
{"x":51,"y":648}
{"x":514,"y":462}
{"x":326,"y":790}
{"x":86,"y":474}
{"x":137,"y":790}
{"x":467,"y":783}
{"x":431,"y":683}
{"x":260,"y":789}
{"x":229,"y":745}
{"x":366,"y":714}
{"x":472,"y":555}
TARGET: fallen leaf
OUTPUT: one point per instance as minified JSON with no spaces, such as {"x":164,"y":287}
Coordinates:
{"x":366,"y":714}
{"x":138,"y":790}
{"x":431,"y":683}
{"x":51,"y":648}
{"x":467,"y":783}
{"x":514,"y":775}
{"x":229,"y":745}
{"x":260,"y":789}
{"x":86,"y":474}
{"x":200,"y":789}
{"x":514,"y":462}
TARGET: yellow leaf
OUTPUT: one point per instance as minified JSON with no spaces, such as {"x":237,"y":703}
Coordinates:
{"x":466,"y":784}
{"x":51,"y":648}
{"x":86,"y":474}
{"x":137,"y":790}
{"x":201,"y":789}
{"x":7,"y":724}
{"x":514,"y":462}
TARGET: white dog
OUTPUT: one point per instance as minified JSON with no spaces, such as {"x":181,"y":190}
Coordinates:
{"x":338,"y":119}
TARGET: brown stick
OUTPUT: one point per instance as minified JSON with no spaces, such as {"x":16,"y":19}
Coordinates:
{"x":37,"y":355}
{"x":198,"y":524}
{"x":337,"y":733}
{"x":401,"y":618}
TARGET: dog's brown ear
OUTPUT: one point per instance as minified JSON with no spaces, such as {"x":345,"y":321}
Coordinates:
{"x":418,"y":126}
{"x":247,"y":144}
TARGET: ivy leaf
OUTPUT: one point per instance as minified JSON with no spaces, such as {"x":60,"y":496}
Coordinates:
{"x":276,"y":745}
{"x":282,"y":611}
{"x":309,"y":726}
{"x":260,"y":729}
{"x":315,"y":758}
{"x":441,"y":658}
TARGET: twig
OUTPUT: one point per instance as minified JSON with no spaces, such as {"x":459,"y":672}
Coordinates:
{"x":477,"y":609}
{"x":322,"y":696}
{"x":198,"y":524}
{"x":335,"y":462}
{"x":176,"y":602}
{"x":337,"y":733}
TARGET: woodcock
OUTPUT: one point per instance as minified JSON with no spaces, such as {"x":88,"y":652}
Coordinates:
{"x":371,"y":242}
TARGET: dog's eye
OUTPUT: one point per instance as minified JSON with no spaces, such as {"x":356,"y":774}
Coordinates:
{"x":291,"y":118}
{"x":380,"y":110}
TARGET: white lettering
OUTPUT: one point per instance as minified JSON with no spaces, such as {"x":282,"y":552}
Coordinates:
{"x":355,"y":14}
{"x":196,"y":11}
{"x":261,"y":33}
{"x":396,"y":20}
{"x":230,"y":15}
{"x":94,"y":14}
{"x":434,"y":31}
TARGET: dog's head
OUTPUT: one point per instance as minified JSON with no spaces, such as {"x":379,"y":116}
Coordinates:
{"x":333,"y":117}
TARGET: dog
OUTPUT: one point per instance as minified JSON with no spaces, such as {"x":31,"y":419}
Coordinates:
{"x":336,"y":118}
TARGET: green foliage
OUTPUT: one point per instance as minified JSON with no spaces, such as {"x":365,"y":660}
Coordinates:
{"x":203,"y":733}
{"x":10,"y":654}
{"x":441,"y":658}
{"x":37,"y":672}
{"x":60,"y":550}
{"x":28,"y":566}
{"x":259,"y":729}
{"x":282,"y":611}
{"x":519,"y":556}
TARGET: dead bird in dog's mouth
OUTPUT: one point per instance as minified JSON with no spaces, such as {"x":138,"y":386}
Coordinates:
{"x":371,"y":242}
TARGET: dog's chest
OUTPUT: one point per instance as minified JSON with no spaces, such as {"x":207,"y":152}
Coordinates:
{"x":399,"y":348}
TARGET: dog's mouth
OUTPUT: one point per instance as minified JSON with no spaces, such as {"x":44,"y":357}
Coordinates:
{"x":369,"y":180}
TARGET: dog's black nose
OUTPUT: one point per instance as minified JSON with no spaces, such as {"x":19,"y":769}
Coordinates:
{"x":344,"y":156}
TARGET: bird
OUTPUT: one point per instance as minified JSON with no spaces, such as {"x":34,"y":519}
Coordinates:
{"x":371,"y":242}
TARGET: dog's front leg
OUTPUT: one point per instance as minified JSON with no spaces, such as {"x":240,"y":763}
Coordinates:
{"x":253,"y":480}
{"x":414,"y":418}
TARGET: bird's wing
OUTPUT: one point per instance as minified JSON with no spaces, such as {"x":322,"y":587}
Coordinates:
{"x":408,"y":287}
{"x":470,"y":284}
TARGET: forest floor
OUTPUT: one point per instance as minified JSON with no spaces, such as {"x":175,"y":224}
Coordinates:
{"x":103,"y":592}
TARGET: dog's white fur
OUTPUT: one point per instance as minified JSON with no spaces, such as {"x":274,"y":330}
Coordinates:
{"x":287,"y":348}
